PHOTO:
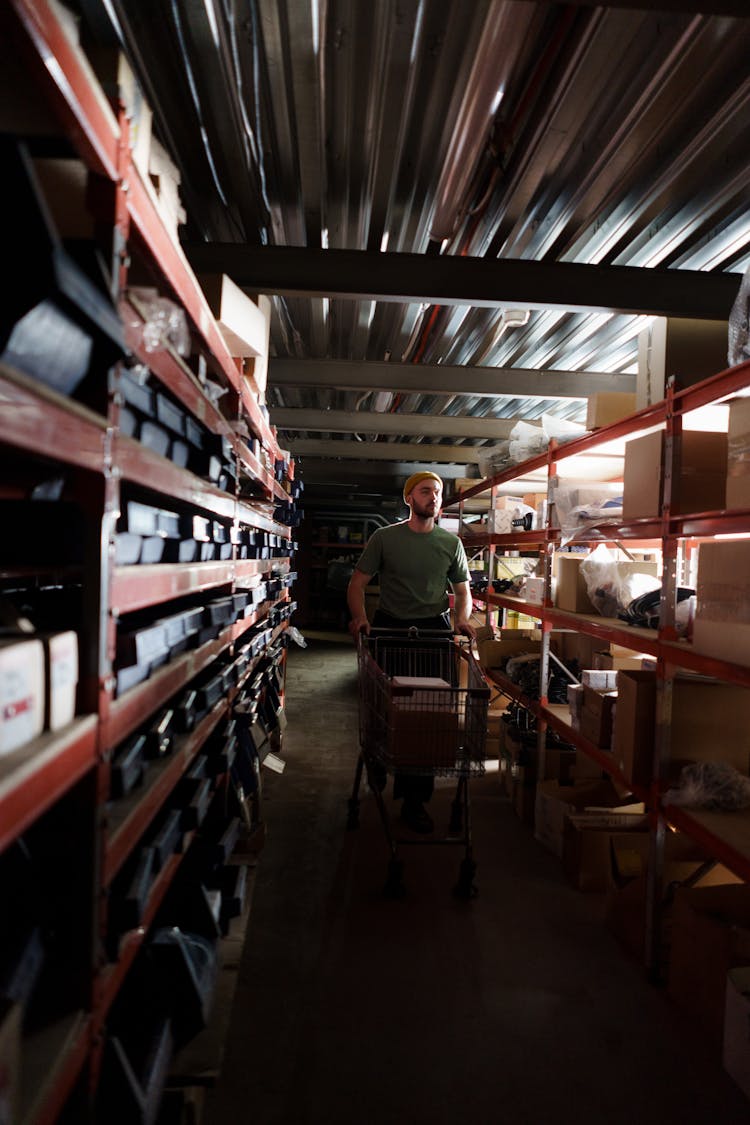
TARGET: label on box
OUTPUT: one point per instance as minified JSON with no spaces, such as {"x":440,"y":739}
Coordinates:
{"x":21,"y":693}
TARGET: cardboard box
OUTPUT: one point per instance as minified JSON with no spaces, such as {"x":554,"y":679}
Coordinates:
{"x":494,"y":654}
{"x":699,"y":487}
{"x":710,"y":720}
{"x":533,"y":590}
{"x":596,"y":716}
{"x":523,"y":754}
{"x":571,"y":593}
{"x":164,"y":176}
{"x":423,"y":724}
{"x":710,"y":936}
{"x":634,"y":724}
{"x":21,"y":692}
{"x":720,"y":628}
{"x":607,"y":407}
{"x":242,"y":322}
{"x":625,"y":911}
{"x":690,"y":350}
{"x":500,"y":522}
{"x":606,"y":661}
{"x":738,"y":454}
{"x":587,"y":841}
{"x":120,"y":85}
{"x":599,"y":679}
{"x":736,"y":1049}
{"x":555,"y":801}
{"x":61,"y":678}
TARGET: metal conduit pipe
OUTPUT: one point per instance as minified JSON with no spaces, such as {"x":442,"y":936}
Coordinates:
{"x":506,"y":26}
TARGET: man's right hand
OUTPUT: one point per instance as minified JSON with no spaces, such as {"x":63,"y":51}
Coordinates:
{"x":359,"y":625}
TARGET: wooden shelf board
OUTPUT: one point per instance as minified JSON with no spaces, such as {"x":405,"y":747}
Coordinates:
{"x":36,"y":775}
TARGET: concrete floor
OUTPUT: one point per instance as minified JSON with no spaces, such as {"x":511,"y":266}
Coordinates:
{"x":517,"y":1008}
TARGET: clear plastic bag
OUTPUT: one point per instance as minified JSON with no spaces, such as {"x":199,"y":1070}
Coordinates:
{"x":165,"y":323}
{"x":610,"y":587}
{"x":710,"y":785}
{"x":561,"y":429}
{"x":526,"y":441}
{"x":294,"y":634}
{"x":493,"y":459}
{"x":738,"y":337}
{"x":581,"y":505}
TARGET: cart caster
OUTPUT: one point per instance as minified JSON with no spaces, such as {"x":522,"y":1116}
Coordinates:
{"x":394,"y":884}
{"x":352,"y":818}
{"x":456,"y":822}
{"x":466,"y":888}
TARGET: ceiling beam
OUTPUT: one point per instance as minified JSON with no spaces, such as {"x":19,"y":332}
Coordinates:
{"x":385,"y":451}
{"x":372,"y":474}
{"x":481,"y":282}
{"x":372,"y":422}
{"x":433,"y":379}
{"x":701,"y":7}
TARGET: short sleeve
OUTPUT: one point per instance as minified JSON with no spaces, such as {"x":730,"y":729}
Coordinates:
{"x":370,"y":561}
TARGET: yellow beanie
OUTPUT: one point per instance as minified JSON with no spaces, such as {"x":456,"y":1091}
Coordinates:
{"x":414,"y":480}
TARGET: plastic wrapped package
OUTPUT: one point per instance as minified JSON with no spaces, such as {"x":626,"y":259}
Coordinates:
{"x":561,"y":429}
{"x":579,"y":506}
{"x":738,"y":337}
{"x":710,"y":785}
{"x":612,"y":585}
{"x":493,"y":459}
{"x":165,"y":323}
{"x":526,"y":441}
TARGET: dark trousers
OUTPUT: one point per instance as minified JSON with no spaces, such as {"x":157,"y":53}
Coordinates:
{"x":412,"y":787}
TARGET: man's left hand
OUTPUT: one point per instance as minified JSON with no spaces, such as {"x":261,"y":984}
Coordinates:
{"x":466,"y":630}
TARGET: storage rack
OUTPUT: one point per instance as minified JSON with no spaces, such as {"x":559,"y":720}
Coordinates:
{"x":724,"y":836}
{"x":61,"y":781}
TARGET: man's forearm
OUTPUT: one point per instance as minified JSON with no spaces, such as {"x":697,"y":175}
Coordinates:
{"x":462,"y":607}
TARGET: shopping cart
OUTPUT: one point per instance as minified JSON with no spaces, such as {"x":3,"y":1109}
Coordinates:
{"x":422,"y":711}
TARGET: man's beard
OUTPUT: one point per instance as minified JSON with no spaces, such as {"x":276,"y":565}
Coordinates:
{"x":424,"y":512}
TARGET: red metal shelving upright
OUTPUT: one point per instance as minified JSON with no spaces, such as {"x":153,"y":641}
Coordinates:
{"x":37,"y":423}
{"x":726,"y":836}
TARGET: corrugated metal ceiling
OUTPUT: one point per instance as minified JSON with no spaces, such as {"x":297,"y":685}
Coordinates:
{"x":515,"y":130}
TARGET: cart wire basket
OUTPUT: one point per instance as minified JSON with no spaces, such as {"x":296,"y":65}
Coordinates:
{"x":422,"y":712}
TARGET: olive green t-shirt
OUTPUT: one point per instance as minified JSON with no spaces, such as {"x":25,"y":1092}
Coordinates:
{"x":414,"y":569}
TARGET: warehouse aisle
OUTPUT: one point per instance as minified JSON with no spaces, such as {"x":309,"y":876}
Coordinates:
{"x":518,"y":1008}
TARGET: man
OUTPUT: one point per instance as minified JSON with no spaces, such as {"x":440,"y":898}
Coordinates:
{"x":415,"y":560}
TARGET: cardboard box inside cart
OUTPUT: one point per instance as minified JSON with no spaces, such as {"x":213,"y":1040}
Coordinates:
{"x":722,"y":627}
{"x":700,"y":486}
{"x":423,"y":722}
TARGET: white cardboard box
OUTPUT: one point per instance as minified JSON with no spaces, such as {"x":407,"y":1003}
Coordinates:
{"x":243,"y":324}
{"x":61,"y":656}
{"x":21,"y":692}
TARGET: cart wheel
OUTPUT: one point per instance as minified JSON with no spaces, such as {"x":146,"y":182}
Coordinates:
{"x":456,"y":822}
{"x":394,"y":884}
{"x":466,"y":888}
{"x":352,"y":818}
